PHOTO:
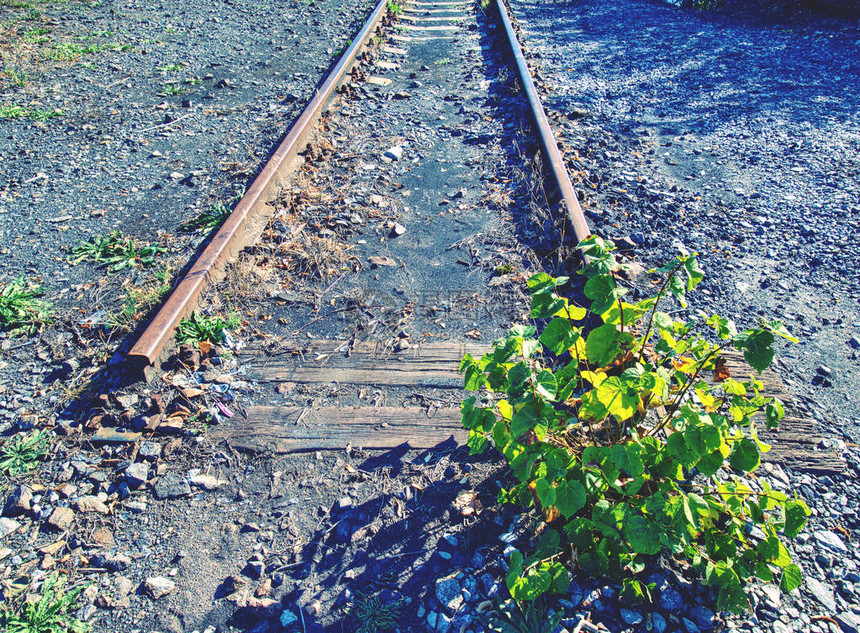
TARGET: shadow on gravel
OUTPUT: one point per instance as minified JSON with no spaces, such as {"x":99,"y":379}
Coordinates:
{"x":395,"y":547}
{"x":753,"y":78}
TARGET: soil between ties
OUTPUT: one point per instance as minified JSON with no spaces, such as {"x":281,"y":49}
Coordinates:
{"x":411,"y":227}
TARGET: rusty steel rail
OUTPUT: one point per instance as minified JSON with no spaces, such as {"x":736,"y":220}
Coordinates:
{"x":556,"y":169}
{"x":238,"y":229}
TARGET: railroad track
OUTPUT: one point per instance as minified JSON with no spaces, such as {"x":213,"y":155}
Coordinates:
{"x":390,"y":231}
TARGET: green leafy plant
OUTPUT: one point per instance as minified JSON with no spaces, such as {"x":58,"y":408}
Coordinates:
{"x":170,"y":68}
{"x":49,"y":613}
{"x":69,"y":51}
{"x":21,"y":453}
{"x":116,"y":252}
{"x":199,"y":328}
{"x":211,"y":218}
{"x":522,"y":617}
{"x":21,"y":309}
{"x":372,"y":614}
{"x":394,"y":7}
{"x":631,"y":437}
{"x":17,"y":77}
{"x":173,"y":89}
{"x":37,"y":35}
{"x":17,"y":112}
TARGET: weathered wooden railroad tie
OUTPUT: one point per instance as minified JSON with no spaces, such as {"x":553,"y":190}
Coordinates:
{"x":797,"y":443}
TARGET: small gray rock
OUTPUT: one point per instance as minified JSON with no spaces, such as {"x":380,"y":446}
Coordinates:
{"x":137,"y":474}
{"x":631,"y":617}
{"x":437,"y":622}
{"x":394,"y":153}
{"x":127,"y":401}
{"x":18,"y":502}
{"x":171,"y":486}
{"x":158,"y":586}
{"x":150,"y":450}
{"x":690,"y":626}
{"x":254,"y":569}
{"x":658,"y":622}
{"x":849,"y":622}
{"x":288,"y":619}
{"x":8,"y":526}
{"x":117,"y":562}
{"x":448,"y":593}
{"x":831,"y":541}
{"x":207,"y":482}
{"x":343,"y":503}
{"x":61,"y":519}
{"x":671,"y":600}
{"x":822,"y":593}
{"x":91,"y":503}
{"x":702,"y":616}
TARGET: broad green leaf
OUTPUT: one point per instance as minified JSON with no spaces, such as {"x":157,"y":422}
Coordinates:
{"x":774,"y":412}
{"x":540,"y":283}
{"x":546,"y":305}
{"x":642,"y":535}
{"x":525,"y":419}
{"x":518,"y":375}
{"x":678,"y":289}
{"x":532,"y":585}
{"x":603,"y":292}
{"x":619,"y":399}
{"x":734,"y":388}
{"x":545,"y":492}
{"x":501,"y":435}
{"x":613,"y":314}
{"x":757,"y":346}
{"x":763,"y":572}
{"x":693,"y":271}
{"x":791,"y":578}
{"x":482,"y":420}
{"x":595,"y":563}
{"x":795,"y":517}
{"x":724,"y":327}
{"x":546,"y":385}
{"x":745,"y":455}
{"x":570,"y":498}
{"x":560,"y":584}
{"x":602,"y":344}
{"x":474,"y":378}
{"x":710,"y":463}
{"x":559,"y":336}
{"x":663,"y":321}
{"x":580,"y":531}
{"x":477,"y":442}
{"x":529,"y":347}
{"x":779,"y":329}
{"x":628,"y":457}
{"x":599,"y":286}
{"x":677,"y":447}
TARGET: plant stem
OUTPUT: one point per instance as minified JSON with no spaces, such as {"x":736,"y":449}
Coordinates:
{"x":654,"y":309}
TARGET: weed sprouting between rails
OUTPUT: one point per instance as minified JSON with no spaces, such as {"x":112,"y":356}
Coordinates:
{"x":631,"y":438}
